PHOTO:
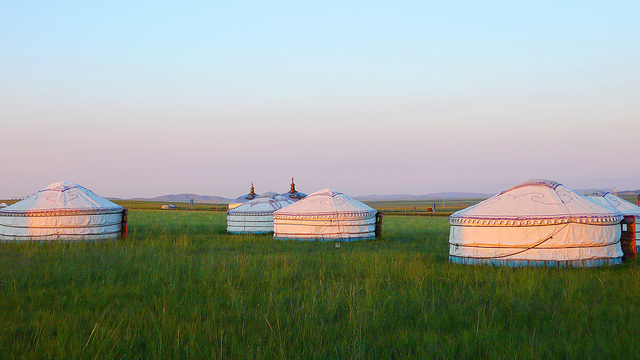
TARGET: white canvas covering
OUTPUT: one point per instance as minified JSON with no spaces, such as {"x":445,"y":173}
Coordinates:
{"x":325,"y":215}
{"x":61,"y":211}
{"x":620,"y":204}
{"x":536,"y":223}
{"x":255,"y":216}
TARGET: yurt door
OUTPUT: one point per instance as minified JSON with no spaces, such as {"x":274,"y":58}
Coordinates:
{"x":628,"y":237}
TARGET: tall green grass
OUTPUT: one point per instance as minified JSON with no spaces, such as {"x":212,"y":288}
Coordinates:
{"x":179,"y":287}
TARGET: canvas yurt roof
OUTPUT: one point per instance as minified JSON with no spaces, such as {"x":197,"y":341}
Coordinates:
{"x":538,"y":222}
{"x":268,"y":194}
{"x":535,"y":202}
{"x":325,"y":215}
{"x":293,"y":194}
{"x":243,"y":199}
{"x":61,"y":211}
{"x":62,"y":197}
{"x":616,"y":202}
{"x":256,"y":216}
{"x":622,"y":205}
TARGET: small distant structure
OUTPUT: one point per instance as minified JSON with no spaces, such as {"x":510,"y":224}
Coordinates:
{"x":3,"y":205}
{"x":243,"y":199}
{"x":293,"y":194}
{"x":168,"y":207}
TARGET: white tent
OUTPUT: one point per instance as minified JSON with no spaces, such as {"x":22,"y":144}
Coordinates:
{"x":255,"y":216}
{"x":620,"y":204}
{"x":62,"y":211}
{"x":325,"y":215}
{"x":3,"y":205}
{"x":536,"y":223}
{"x":243,"y":199}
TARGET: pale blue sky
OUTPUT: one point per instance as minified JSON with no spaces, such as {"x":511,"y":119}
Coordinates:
{"x":139,"y":99}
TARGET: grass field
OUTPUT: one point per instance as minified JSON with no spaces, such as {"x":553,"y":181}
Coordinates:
{"x":179,"y":287}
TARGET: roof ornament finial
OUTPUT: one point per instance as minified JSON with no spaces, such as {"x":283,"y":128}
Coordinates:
{"x":252,"y":192}
{"x":293,"y":187}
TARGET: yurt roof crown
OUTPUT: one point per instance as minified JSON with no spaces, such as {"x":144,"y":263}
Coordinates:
{"x":293,"y":193}
{"x":536,"y":202}
{"x":244,"y":198}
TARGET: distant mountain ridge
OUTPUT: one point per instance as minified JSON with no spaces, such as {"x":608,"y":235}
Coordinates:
{"x":466,"y":195}
{"x":202,"y":199}
{"x":209,"y":199}
{"x":431,"y":196}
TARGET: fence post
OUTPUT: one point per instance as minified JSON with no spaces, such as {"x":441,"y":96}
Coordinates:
{"x":124,"y":226}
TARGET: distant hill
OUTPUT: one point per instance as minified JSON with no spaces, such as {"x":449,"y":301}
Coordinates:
{"x":629,"y":193}
{"x":201,"y":199}
{"x":207,"y":199}
{"x":432,"y":196}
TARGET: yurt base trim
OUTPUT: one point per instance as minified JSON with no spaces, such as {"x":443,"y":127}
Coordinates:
{"x":249,"y":232}
{"x":325,"y":239}
{"x":115,"y":235}
{"x":536,"y":263}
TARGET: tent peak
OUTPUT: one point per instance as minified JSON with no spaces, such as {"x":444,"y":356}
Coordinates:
{"x":537,"y":182}
{"x":293,"y":187}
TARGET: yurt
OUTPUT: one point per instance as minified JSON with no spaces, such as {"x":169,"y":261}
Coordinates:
{"x":293,"y":194}
{"x":3,"y":205}
{"x":536,"y":223}
{"x":620,"y":204}
{"x":255,"y":216}
{"x":243,"y":199}
{"x":62,"y":211}
{"x":325,"y":215}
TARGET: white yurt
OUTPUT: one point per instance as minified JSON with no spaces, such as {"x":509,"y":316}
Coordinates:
{"x":243,"y":199}
{"x":3,"y":205}
{"x":325,"y":215}
{"x":536,"y":223}
{"x":620,"y":204}
{"x":293,"y":194}
{"x":255,"y":216}
{"x":62,"y":211}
